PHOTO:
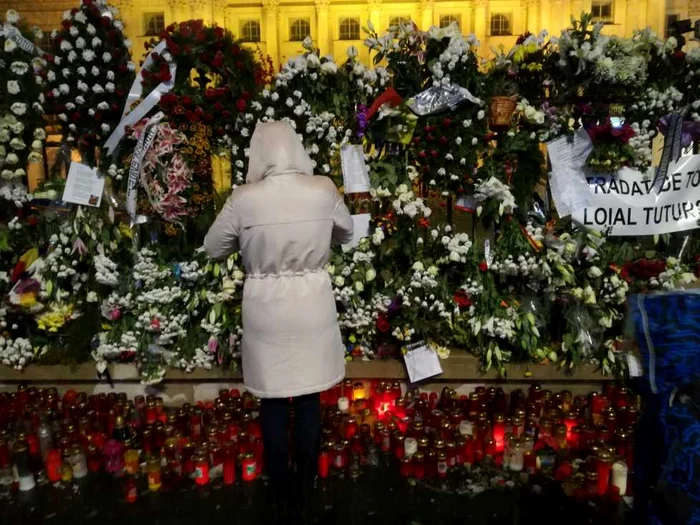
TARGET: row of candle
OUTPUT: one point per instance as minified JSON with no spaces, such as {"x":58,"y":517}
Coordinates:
{"x":47,"y":436}
{"x":431,"y":435}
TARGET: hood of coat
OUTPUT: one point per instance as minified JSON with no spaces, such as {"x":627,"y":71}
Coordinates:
{"x":275,"y":149}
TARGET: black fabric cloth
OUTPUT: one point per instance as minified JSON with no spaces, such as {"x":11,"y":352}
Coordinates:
{"x":296,"y":482}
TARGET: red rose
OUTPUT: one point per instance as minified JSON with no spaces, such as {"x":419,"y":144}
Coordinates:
{"x":75,"y":117}
{"x":66,"y":24}
{"x":421,"y":154}
{"x":434,"y":153}
{"x":239,"y":64}
{"x":74,"y":11}
{"x":235,"y":49}
{"x":443,"y":140}
{"x":201,"y":36}
{"x":241,"y":105}
{"x":218,"y":59}
{"x":106,"y":21}
{"x":186,"y":100}
{"x":483,"y":266}
{"x":87,"y":2}
{"x":219,"y":32}
{"x":123,"y":69}
{"x":462,"y":299}
{"x":204,"y":57}
{"x":245,"y":95}
{"x":33,"y":220}
{"x":192,"y":117}
{"x":383,"y":324}
{"x":424,"y":222}
{"x":168,"y":99}
{"x":185,"y":32}
{"x":446,"y":122}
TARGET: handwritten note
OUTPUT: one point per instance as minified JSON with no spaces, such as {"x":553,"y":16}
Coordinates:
{"x":421,"y":361}
{"x":355,"y":171}
{"x":360,"y":229}
{"x":84,"y":185}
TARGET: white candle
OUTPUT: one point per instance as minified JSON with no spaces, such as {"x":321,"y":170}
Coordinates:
{"x":466,"y":428}
{"x":619,"y":476}
{"x":343,"y":404}
{"x":410,"y":446}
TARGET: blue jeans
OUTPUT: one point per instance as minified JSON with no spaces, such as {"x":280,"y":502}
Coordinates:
{"x":274,"y":419}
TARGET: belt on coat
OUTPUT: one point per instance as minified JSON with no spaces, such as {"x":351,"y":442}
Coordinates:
{"x":281,"y":275}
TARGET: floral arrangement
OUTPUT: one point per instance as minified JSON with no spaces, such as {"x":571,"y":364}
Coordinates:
{"x":88,"y":75}
{"x":463,"y":251}
{"x":216,"y":77}
{"x":21,"y":113}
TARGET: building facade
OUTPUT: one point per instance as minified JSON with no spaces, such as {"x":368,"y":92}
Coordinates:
{"x":278,"y":26}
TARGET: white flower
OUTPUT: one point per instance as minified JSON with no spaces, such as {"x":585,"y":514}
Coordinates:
{"x":339,"y":280}
{"x":106,"y":57}
{"x":88,"y":55}
{"x":64,"y":89}
{"x":481,"y":114}
{"x":11,"y":16}
{"x":352,"y":52}
{"x":80,"y":17}
{"x":66,"y":45}
{"x":96,"y":42}
{"x":594,"y":272}
{"x":10,"y":45}
{"x":370,"y":275}
{"x":80,"y":43}
{"x":91,"y":29}
{"x":312,"y":60}
{"x":12,"y":87}
{"x":18,"y":108}
{"x":95,"y":71}
{"x":329,"y":67}
{"x":18,"y":68}
{"x":98,"y":89}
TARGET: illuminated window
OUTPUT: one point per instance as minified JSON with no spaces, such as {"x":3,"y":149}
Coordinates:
{"x":250,"y":31}
{"x":153,"y":24}
{"x":500,"y":24}
{"x":350,"y":29}
{"x":299,"y":29}
{"x":602,"y":11}
{"x":670,"y":20}
{"x":398,"y":21}
{"x":447,"y":20}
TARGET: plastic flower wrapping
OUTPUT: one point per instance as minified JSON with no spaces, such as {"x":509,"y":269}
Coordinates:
{"x":464,"y":249}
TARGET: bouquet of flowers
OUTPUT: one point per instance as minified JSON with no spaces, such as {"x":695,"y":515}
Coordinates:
{"x":89,"y":75}
{"x":21,"y":113}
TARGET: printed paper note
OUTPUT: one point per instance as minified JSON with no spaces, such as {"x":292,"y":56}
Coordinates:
{"x":84,"y":185}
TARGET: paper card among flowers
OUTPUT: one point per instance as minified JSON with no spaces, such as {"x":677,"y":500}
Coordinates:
{"x":360,"y":224}
{"x":421,"y":361}
{"x":355,"y":171}
{"x":84,"y":185}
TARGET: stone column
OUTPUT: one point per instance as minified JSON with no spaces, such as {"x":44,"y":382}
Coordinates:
{"x":270,"y":14}
{"x":480,"y":24}
{"x":375,"y":15}
{"x":173,"y":14}
{"x":427,"y":13}
{"x":220,"y":15}
{"x":323,"y":32}
{"x":532,"y":16}
{"x":200,"y":10}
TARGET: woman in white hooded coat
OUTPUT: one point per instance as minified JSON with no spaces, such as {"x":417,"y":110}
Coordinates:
{"x":283,"y":221}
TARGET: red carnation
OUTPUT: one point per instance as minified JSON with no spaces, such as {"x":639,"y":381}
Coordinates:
{"x":218,"y":59}
{"x":66,"y":24}
{"x":446,"y":122}
{"x":168,"y":98}
{"x":383,"y":324}
{"x":219,"y":32}
{"x":462,"y":299}
{"x":241,"y":105}
{"x":483,"y":266}
{"x":106,"y":21}
{"x":186,"y":100}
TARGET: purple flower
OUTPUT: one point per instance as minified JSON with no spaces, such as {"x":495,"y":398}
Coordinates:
{"x":361,"y":120}
{"x":395,"y":306}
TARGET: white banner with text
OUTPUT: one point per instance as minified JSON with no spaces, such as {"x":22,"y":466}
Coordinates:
{"x":626,"y":203}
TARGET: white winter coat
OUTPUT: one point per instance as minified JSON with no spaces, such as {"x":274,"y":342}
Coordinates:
{"x":283,"y":222}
